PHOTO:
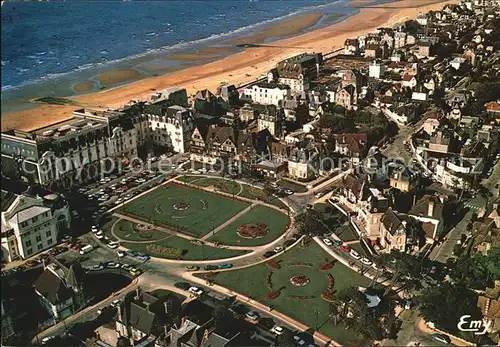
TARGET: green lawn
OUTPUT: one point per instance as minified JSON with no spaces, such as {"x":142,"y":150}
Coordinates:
{"x":252,"y":282}
{"x":191,"y":250}
{"x":276,"y":222}
{"x":188,"y":179}
{"x":344,"y":232}
{"x":250,"y":192}
{"x":205,"y":210}
{"x":226,"y":186}
{"x":127,"y":231}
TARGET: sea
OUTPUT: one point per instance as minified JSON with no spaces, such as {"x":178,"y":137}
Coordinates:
{"x":47,"y":46}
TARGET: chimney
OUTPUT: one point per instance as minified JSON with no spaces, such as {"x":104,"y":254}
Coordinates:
{"x":138,"y":293}
{"x":119,"y":311}
{"x":317,"y":70}
{"x":430,"y":210}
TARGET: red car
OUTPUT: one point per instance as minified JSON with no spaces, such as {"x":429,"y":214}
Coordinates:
{"x":345,"y":248}
{"x":77,"y":246}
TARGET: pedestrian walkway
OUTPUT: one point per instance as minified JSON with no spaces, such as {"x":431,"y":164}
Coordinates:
{"x":228,"y":222}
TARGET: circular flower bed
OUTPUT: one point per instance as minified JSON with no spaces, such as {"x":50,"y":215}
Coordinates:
{"x":253,"y":230}
{"x":299,"y":281}
{"x":180,"y":206}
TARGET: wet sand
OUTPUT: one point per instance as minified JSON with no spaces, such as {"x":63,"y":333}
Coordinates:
{"x":117,"y":76}
{"x":217,"y":50}
{"x":286,"y":28}
{"x":192,"y":56}
{"x":83,"y":87}
{"x":236,"y":69}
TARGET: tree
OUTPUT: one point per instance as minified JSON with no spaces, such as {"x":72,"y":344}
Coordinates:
{"x":285,"y":339}
{"x":445,"y":304}
{"x":308,"y":223}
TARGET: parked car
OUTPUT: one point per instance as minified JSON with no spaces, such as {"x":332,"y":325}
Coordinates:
{"x":345,"y":248}
{"x":298,"y":340}
{"x":126,"y":267}
{"x":366,"y":261}
{"x":338,"y":243}
{"x":277,"y":330}
{"x":210,"y":267}
{"x":96,"y":267}
{"x":115,"y":303}
{"x":112,"y":265}
{"x":120,"y":254}
{"x":328,"y":242}
{"x":354,"y":254}
{"x":192,"y":268}
{"x":225,"y":266}
{"x":195,"y":291}
{"x":441,"y":338}
{"x":113,"y":245}
{"x":135,"y":271}
{"x":252,"y":316}
{"x":47,"y":339}
{"x":144,"y":257}
{"x":269,"y":254}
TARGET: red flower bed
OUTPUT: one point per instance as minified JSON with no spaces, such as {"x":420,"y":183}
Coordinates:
{"x":325,"y":266}
{"x":269,"y":284}
{"x":273,"y":265}
{"x":272,"y":295}
{"x":328,"y":296}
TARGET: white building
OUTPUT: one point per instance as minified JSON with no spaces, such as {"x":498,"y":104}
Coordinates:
{"x":69,"y":152}
{"x":171,"y":127}
{"x":31,"y":224}
{"x":304,"y":161}
{"x":266,"y":93}
{"x":376,"y":69}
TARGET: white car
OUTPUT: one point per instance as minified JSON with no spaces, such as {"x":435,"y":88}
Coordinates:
{"x":112,"y":265}
{"x":120,"y":254}
{"x":113,"y":245}
{"x":140,"y":180}
{"x":46,"y":339}
{"x":288,"y":191}
{"x":115,"y":303}
{"x":277,"y":330}
{"x":299,"y":341}
{"x":252,"y":316}
{"x":354,"y":254}
{"x":366,"y":261}
{"x":119,"y":201}
{"x":278,"y":249}
{"x":328,"y":242}
{"x":195,"y":291}
{"x":319,"y":195}
{"x":99,"y":235}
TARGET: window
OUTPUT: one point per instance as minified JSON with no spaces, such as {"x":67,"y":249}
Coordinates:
{"x":38,"y":238}
{"x":40,"y":246}
{"x":29,"y":251}
{"x":48,"y":233}
{"x":28,"y":243}
{"x":24,"y":224}
{"x":34,"y":219}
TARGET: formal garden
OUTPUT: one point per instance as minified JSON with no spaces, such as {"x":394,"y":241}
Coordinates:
{"x":301,"y":283}
{"x":192,"y":211}
{"x":258,"y":226}
{"x":161,"y":244}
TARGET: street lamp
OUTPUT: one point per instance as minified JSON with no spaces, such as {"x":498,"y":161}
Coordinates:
{"x":317,"y":318}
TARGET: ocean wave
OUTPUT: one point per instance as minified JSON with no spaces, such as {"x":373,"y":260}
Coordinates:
{"x":178,"y":46}
{"x":7,"y":87}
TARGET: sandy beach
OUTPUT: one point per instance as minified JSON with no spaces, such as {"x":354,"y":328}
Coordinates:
{"x":238,"y":68}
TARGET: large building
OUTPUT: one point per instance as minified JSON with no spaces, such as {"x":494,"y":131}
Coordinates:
{"x":171,"y":126}
{"x":266,"y":93}
{"x":298,"y":71}
{"x":60,"y":289}
{"x":31,"y":224}
{"x":70,"y":152}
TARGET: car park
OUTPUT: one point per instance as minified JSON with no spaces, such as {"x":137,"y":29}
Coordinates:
{"x":195,"y":291}
{"x":366,"y":261}
{"x":86,"y":249}
{"x":192,"y":268}
{"x":278,"y":330}
{"x":328,"y":242}
{"x":144,"y":257}
{"x":97,"y":267}
{"x":127,"y":267}
{"x":225,"y":266}
{"x":354,"y":254}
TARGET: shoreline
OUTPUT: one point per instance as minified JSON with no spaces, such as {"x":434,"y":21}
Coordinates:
{"x":237,"y":69}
